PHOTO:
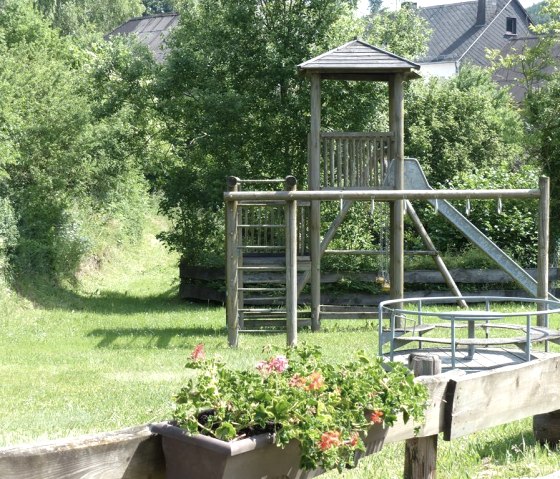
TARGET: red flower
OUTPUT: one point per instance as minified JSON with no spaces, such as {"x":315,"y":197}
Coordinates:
{"x":353,"y":442}
{"x":329,"y":439}
{"x":376,"y":417}
{"x":315,"y":381}
{"x":198,"y":353}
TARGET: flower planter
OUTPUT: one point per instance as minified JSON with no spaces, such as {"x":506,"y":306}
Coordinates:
{"x":197,"y":457}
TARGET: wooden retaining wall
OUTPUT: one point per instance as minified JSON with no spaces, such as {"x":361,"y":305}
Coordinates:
{"x":199,"y":291}
{"x":459,"y":405}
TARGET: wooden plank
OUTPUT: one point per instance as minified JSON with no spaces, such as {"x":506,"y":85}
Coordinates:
{"x":434,"y":413}
{"x":133,"y":453}
{"x":481,"y":400}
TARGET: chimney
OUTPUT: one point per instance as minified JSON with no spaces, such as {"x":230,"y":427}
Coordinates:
{"x":481,"y":13}
{"x":485,"y":11}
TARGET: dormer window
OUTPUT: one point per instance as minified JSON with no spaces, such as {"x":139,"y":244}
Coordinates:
{"x":511,"y":26}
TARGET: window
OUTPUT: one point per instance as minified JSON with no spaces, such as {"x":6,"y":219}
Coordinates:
{"x":511,"y":26}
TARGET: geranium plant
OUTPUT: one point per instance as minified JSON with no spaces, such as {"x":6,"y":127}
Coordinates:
{"x":296,"y":395}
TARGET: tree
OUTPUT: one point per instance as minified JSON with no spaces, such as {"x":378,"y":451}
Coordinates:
{"x":74,"y":138}
{"x":233,"y":103}
{"x":539,"y":71}
{"x":462,"y":124}
{"x":78,"y":16}
{"x":158,"y":6}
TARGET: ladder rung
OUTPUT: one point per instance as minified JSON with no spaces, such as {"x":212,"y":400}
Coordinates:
{"x":277,"y":248}
{"x":261,"y":311}
{"x":265,"y":269}
{"x":261,"y":289}
{"x":261,"y":226}
{"x":265,"y":298}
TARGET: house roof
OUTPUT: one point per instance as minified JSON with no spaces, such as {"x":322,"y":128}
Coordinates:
{"x":455,"y":30}
{"x":151,"y":31}
{"x":359,"y":60}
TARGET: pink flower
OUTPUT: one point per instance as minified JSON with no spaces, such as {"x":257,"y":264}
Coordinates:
{"x":198,"y":353}
{"x":278,"y":364}
{"x":329,"y":439}
{"x":263,"y":366}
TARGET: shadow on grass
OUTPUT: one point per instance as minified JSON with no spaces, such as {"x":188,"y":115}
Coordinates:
{"x":48,"y":295}
{"x":151,"y":338}
{"x":507,"y":448}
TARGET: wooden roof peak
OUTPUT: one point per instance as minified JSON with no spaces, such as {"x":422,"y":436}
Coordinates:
{"x":358,"y":60}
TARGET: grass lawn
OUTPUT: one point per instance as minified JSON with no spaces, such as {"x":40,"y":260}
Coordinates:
{"x":110,"y":354}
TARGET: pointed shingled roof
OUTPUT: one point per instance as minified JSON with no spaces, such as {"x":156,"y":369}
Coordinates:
{"x":358,"y":60}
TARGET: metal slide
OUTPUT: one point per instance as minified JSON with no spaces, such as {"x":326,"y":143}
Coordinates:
{"x":414,"y":179}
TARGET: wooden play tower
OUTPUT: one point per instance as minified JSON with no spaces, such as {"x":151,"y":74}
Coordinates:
{"x":349,"y":167}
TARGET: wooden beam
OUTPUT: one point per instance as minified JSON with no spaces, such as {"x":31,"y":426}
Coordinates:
{"x":314,"y":169}
{"x":420,"y":457}
{"x":133,"y":453}
{"x":291,"y":266}
{"x":232,"y":266}
{"x":430,"y":246}
{"x":482,"y":400}
{"x":381,"y":195}
{"x":544,"y":231}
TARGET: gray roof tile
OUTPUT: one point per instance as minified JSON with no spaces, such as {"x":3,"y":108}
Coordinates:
{"x":151,"y":31}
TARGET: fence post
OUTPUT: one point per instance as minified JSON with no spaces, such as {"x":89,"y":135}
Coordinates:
{"x":542,"y":260}
{"x":421,"y":452}
{"x":291,"y":264}
{"x":232,"y":265}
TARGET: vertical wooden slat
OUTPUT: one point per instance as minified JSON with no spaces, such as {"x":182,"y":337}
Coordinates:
{"x":346,"y":164}
{"x":332,"y":143}
{"x":375,"y":164}
{"x":339,"y":162}
{"x":325,"y":142}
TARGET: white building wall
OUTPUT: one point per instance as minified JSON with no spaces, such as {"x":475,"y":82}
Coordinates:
{"x":439,"y":69}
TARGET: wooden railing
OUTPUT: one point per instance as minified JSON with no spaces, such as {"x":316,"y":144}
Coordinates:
{"x":354,"y":160}
{"x":263,"y":229}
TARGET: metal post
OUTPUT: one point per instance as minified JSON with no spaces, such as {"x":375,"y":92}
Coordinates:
{"x":544,"y":231}
{"x":232,"y":265}
{"x":291,"y":264}
{"x":314,"y":168}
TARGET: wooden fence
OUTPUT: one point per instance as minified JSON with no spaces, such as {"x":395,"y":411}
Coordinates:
{"x":458,"y":405}
{"x":196,"y":283}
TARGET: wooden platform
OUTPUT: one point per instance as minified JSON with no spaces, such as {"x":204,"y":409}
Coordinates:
{"x":484,"y":359}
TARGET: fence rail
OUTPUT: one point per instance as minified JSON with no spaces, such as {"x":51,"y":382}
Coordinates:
{"x":499,"y":396}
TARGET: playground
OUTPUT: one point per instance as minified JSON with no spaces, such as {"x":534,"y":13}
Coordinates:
{"x":521,"y":335}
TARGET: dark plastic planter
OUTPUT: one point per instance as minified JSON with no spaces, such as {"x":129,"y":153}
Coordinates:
{"x":203,"y":457}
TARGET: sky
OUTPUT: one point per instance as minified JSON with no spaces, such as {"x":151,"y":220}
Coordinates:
{"x":363,"y":4}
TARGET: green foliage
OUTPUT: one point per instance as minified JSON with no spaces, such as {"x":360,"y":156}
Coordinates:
{"x":462,"y":124}
{"x":327,"y":408}
{"x":233,"y":104}
{"x":536,"y":13}
{"x":158,"y":6}
{"x":539,"y":72}
{"x":81,"y":16}
{"x":73,"y":130}
{"x":514,"y":228}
